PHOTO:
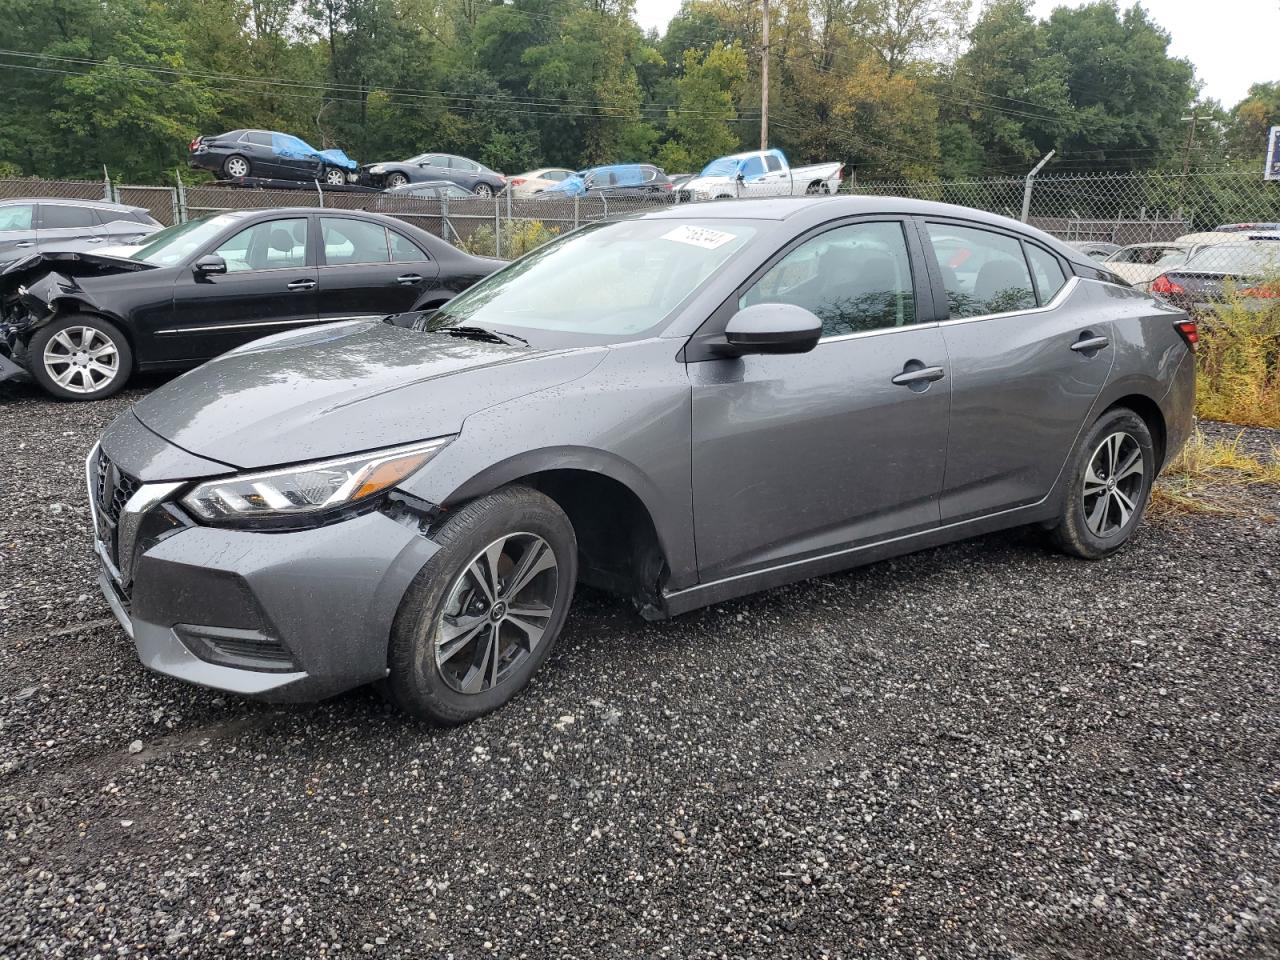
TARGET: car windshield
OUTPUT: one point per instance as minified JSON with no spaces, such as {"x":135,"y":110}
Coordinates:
{"x":1249,"y":259}
{"x":607,"y":281}
{"x":174,"y":244}
{"x":724,"y":167}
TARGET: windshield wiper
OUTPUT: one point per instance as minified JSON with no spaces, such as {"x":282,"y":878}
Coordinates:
{"x":501,"y":336}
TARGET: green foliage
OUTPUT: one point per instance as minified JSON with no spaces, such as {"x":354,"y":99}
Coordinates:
{"x":1238,"y":374}
{"x":701,"y":129}
{"x":518,"y":238}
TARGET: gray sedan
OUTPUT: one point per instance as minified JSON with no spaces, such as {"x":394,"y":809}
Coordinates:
{"x":681,"y":407}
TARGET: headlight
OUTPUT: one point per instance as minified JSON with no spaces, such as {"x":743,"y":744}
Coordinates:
{"x":308,"y":488}
{"x":377,"y":168}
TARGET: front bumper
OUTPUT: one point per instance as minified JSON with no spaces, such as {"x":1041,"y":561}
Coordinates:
{"x":290,"y":615}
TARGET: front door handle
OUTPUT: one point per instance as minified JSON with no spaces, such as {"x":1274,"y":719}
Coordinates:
{"x":94,"y":240}
{"x":1088,"y":344}
{"x":409,"y":279}
{"x":917,"y":376}
{"x":302,"y":285}
{"x":25,"y":243}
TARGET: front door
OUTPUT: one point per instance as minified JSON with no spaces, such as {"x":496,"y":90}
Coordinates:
{"x":802,"y":455}
{"x":368,"y":270}
{"x":270,"y":285}
{"x":1028,"y":360}
{"x":17,"y":231}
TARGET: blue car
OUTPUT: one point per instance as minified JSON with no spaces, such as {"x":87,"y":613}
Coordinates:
{"x":622,"y":179}
{"x":270,"y":154}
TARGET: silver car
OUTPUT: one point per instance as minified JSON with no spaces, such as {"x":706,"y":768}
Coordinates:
{"x":46,"y":224}
{"x":681,"y":407}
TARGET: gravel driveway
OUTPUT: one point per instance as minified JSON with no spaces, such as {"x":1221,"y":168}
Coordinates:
{"x":985,"y":750}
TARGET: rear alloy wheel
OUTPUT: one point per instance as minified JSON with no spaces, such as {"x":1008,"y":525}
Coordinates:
{"x":485,"y":611}
{"x":236,"y":167}
{"x":483,"y":190}
{"x":80,"y":358}
{"x":397,"y":180}
{"x":1115,"y":468}
{"x":334,"y":177}
{"x":816,"y":188}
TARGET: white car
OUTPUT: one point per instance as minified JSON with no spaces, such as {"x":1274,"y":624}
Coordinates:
{"x":1141,"y":263}
{"x":761,"y":173}
{"x":535,"y":181}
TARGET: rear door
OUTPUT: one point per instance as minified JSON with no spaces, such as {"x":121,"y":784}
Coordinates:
{"x":810,"y":454}
{"x":1026,"y":366}
{"x":270,"y":285}
{"x":367,"y":270}
{"x":17,"y":231}
{"x":66,"y":226}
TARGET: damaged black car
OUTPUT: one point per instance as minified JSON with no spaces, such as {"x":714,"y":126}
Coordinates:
{"x":81,"y":323}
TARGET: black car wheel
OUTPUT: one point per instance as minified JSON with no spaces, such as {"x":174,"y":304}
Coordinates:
{"x":485,"y":611}
{"x":334,"y":177}
{"x":1115,"y":467}
{"x":236,"y":166}
{"x":483,"y":190}
{"x":80,"y":357}
{"x":397,"y":180}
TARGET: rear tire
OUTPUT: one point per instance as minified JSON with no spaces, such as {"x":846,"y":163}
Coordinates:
{"x":817,"y":188}
{"x":235,"y":167}
{"x":474,"y":626}
{"x":483,"y":190}
{"x":1109,"y":486}
{"x":80,"y":357}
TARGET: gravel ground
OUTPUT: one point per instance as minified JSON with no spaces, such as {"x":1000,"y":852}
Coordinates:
{"x":985,"y":750}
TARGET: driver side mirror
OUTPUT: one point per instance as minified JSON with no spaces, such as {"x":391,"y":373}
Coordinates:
{"x":209,"y":265}
{"x":741,"y":175}
{"x":772,"y":328}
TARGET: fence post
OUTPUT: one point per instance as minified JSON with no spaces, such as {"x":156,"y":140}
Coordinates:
{"x":507,"y":194}
{"x":106,"y":184}
{"x":1026,"y":190}
{"x":575,"y":213}
{"x":320,"y":193}
{"x":497,"y":227}
{"x":180,"y":214}
{"x":445,"y":227}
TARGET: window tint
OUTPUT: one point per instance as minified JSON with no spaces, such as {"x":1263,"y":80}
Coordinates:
{"x":404,"y":250}
{"x":982,"y":272}
{"x":462,"y":163}
{"x":753,"y":167}
{"x":257,"y":138}
{"x":1048,"y":272}
{"x":556,"y":175}
{"x":16,"y":217}
{"x":353,"y":241}
{"x":854,"y":278}
{"x":773,"y":163}
{"x":456,"y":192}
{"x":435,"y":160}
{"x":55,"y":216}
{"x":271,"y":245}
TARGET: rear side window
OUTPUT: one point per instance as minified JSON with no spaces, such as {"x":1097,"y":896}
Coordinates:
{"x":1047,"y":271}
{"x":982,"y":272}
{"x":404,"y":250}
{"x":16,"y":217}
{"x":773,"y":163}
{"x":258,"y":139}
{"x":353,"y":241}
{"x":54,"y":216}
{"x":854,"y":278}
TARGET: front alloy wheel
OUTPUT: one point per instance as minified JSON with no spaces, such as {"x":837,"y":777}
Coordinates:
{"x":80,"y":358}
{"x":483,"y":190}
{"x":397,"y":180}
{"x":334,"y":177}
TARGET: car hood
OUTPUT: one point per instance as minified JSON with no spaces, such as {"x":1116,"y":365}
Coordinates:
{"x":345,"y":388}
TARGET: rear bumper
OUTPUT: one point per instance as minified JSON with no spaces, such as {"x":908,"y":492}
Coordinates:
{"x":1178,"y":407}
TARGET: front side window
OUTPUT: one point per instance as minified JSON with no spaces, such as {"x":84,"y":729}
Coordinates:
{"x":353,"y":241}
{"x":982,"y":272}
{"x":752,"y":167}
{"x":16,"y":217}
{"x":271,"y":245}
{"x":556,"y":175}
{"x":56,"y":216}
{"x":1048,"y":272}
{"x":854,"y":278}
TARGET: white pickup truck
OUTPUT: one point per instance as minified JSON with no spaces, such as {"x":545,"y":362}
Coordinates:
{"x":761,"y":173}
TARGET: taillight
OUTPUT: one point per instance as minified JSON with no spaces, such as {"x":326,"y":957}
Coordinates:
{"x":1162,"y":284}
{"x":1190,"y":333}
{"x":667,"y":186}
{"x":1266,"y":292}
{"x":193,"y":144}
{"x":516,"y":181}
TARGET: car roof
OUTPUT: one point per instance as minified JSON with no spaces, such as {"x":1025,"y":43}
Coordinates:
{"x":1154,"y":243}
{"x":74,"y":202}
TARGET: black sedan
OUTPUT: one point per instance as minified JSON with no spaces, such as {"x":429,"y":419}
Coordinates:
{"x":80,"y":323}
{"x":468,"y":174}
{"x":269,"y":154}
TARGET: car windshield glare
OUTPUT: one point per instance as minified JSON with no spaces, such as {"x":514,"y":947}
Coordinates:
{"x":724,"y":167}
{"x":608,"y":281}
{"x":1250,"y":259}
{"x":173,"y":245}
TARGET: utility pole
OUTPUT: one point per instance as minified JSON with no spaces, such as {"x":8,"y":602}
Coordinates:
{"x":1191,"y":140}
{"x":764,"y":79}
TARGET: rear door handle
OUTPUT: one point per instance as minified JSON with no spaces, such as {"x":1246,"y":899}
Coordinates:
{"x":302,"y":285}
{"x":25,"y":243}
{"x":409,"y":279}
{"x":919,"y":375}
{"x":1089,"y":344}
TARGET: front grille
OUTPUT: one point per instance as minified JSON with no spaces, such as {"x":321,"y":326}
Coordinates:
{"x":114,"y":488}
{"x":685,"y":196}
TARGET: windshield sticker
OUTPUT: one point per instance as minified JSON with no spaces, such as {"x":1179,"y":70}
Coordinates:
{"x":703,"y":237}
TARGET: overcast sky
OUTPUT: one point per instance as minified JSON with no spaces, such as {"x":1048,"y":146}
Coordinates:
{"x":1232,"y":43}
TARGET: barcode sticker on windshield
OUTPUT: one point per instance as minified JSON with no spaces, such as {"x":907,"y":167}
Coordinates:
{"x":699,"y":236}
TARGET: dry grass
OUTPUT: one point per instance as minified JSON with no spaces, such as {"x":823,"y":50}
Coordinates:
{"x":1238,"y":376}
{"x":1209,"y":476}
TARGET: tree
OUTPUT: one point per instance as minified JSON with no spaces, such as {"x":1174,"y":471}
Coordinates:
{"x":699,"y":129}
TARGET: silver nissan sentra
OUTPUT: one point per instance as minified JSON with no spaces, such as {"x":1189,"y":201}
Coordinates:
{"x":681,"y":407}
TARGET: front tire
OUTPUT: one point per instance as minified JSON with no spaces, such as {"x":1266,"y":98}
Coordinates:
{"x":80,"y":357}
{"x":334,"y":177}
{"x":1110,"y":485}
{"x":397,"y":180}
{"x":484,"y":613}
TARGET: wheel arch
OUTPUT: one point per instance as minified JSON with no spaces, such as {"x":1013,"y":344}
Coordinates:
{"x":1151,"y":414}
